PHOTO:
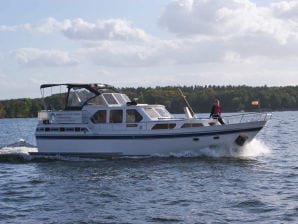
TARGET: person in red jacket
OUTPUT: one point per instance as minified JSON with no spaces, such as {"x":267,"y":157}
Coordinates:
{"x":216,"y":111}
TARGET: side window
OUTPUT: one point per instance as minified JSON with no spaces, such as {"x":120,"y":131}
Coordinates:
{"x":99,"y":117}
{"x":116,"y":116}
{"x":133,"y":116}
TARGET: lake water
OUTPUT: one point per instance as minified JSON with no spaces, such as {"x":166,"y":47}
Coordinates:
{"x":257,"y":185}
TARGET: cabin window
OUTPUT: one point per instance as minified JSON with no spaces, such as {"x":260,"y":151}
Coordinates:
{"x":197,"y":125}
{"x":126,"y":98}
{"x":84,"y":129}
{"x":192,"y":125}
{"x":120,"y":99}
{"x":98,"y":100}
{"x":164,"y":126}
{"x":116,"y":116}
{"x":163,"y":112}
{"x":133,"y":116}
{"x":152,"y":113}
{"x":186,"y":125}
{"x":99,"y":117}
{"x":110,"y":98}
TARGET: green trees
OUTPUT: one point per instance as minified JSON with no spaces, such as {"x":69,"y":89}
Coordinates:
{"x":2,"y":111}
{"x":233,"y":99}
{"x":19,"y":108}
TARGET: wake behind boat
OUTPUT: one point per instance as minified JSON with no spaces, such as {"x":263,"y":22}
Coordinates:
{"x":99,"y":121}
{"x":20,"y":143}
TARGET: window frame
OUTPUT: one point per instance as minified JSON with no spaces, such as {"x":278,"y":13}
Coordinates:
{"x":136,"y":115}
{"x":99,"y":121}
{"x":111,"y":116}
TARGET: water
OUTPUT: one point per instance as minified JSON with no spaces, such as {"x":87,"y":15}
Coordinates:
{"x":256,"y":185}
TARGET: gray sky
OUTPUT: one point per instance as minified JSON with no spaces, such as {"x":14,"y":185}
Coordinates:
{"x":135,"y":43}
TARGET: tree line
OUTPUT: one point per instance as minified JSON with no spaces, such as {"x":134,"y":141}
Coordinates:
{"x":232,"y":98}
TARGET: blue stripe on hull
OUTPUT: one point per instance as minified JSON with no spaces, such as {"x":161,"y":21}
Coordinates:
{"x":150,"y":136}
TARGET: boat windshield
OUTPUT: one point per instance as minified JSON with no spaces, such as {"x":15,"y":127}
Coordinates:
{"x":157,"y":112}
{"x":77,"y":97}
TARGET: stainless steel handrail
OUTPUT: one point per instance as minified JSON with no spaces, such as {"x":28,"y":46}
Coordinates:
{"x":247,"y":117}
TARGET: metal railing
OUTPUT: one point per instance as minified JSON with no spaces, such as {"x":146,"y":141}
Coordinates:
{"x":247,"y":117}
{"x":163,"y":123}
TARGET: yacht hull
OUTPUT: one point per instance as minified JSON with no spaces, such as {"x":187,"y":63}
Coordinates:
{"x":144,"y":143}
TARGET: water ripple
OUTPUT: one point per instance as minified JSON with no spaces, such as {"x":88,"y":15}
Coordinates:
{"x":257,"y":185}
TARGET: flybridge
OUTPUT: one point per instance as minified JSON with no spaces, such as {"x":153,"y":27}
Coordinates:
{"x":76,"y":96}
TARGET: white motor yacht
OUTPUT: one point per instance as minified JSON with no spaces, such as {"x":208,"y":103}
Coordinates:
{"x":99,"y":121}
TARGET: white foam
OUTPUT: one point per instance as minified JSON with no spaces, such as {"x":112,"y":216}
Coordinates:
{"x":254,"y":149}
{"x":17,"y":150}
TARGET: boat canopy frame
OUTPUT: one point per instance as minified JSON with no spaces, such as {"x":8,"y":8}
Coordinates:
{"x":95,"y":88}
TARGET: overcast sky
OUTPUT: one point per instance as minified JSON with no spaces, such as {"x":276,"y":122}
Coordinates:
{"x":131,"y":43}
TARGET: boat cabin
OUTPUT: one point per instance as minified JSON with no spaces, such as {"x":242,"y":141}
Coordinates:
{"x":98,"y":104}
